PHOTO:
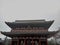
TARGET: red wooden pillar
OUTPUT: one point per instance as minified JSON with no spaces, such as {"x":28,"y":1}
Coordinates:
{"x":25,"y":42}
{"x":46,"y":42}
{"x":17,"y":41}
{"x":39,"y":43}
{"x":11,"y":42}
{"x":32,"y":42}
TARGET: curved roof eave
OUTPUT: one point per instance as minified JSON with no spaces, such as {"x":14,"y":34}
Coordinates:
{"x":42,"y":23}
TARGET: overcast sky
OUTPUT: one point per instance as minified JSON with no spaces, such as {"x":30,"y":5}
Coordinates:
{"x":11,"y":10}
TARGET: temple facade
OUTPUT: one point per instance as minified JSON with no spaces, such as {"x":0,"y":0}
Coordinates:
{"x":29,"y":32}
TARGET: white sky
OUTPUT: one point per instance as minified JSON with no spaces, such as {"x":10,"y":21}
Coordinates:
{"x":11,"y":10}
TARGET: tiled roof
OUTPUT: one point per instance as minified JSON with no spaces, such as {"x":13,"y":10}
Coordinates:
{"x":17,"y":34}
{"x":31,"y":23}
